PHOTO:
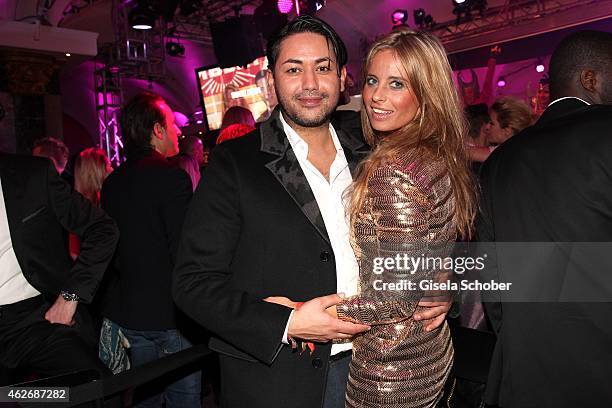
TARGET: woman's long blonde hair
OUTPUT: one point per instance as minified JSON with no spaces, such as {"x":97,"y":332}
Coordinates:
{"x":90,"y":170}
{"x":437,"y":129}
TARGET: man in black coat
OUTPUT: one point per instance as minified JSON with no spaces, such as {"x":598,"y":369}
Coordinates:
{"x":552,"y":183}
{"x":255,"y":230}
{"x":40,"y":286}
{"x":148,"y":198}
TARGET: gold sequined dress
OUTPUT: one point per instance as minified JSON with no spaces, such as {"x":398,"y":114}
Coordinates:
{"x":407,"y":210}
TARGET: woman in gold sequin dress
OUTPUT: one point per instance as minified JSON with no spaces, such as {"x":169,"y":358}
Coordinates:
{"x":412,"y":196}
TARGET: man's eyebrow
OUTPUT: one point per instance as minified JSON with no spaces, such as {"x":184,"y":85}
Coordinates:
{"x":292,"y":61}
{"x":317,"y":61}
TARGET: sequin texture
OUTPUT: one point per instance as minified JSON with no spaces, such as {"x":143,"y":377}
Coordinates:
{"x":408,"y":209}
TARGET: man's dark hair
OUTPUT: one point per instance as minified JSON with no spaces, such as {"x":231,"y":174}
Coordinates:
{"x":52,"y":148}
{"x":138,"y":117}
{"x":477,"y":116}
{"x":307,"y":24}
{"x":576,"y":52}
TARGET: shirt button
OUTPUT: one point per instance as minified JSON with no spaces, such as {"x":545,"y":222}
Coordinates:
{"x":324,"y":256}
{"x":317,"y":363}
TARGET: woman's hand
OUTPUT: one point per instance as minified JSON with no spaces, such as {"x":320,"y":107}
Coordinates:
{"x":281,"y":300}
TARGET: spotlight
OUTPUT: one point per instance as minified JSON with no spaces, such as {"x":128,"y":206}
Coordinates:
{"x":141,"y":18}
{"x":419,"y":17}
{"x":464,"y":8}
{"x":175,"y":49}
{"x":429,"y":21}
{"x":422,"y":19}
{"x":501,"y":82}
{"x":308,"y":6}
{"x":284,"y":6}
{"x":540,"y":67}
{"x":399,"y":17}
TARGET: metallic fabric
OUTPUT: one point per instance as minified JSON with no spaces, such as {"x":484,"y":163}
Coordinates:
{"x":408,"y":209}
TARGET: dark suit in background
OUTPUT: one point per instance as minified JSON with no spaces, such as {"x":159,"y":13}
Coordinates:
{"x":41,"y":207}
{"x":148,"y":198}
{"x":551,"y":183}
{"x":254,"y":230}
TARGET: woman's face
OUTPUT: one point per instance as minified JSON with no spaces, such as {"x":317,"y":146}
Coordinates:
{"x":497,"y":134}
{"x":389,"y":101}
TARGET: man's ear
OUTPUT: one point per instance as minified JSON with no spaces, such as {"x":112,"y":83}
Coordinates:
{"x":157,"y":132}
{"x":342,"y":78}
{"x":270,"y":78}
{"x":588,"y":80}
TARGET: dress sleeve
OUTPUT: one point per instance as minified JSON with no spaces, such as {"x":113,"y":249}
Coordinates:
{"x":406,"y":221}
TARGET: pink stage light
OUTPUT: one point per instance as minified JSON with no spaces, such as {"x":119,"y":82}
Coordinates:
{"x":399,"y":17}
{"x":285,"y":6}
{"x":501,"y":82}
{"x":540,"y":68}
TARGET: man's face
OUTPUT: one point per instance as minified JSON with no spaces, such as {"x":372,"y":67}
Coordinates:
{"x":167,"y":143}
{"x":306,"y":80}
{"x":198,"y":152}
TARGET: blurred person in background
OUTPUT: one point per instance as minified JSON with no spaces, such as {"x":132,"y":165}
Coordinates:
{"x":508,"y":117}
{"x":479,"y":129}
{"x":90,"y":170}
{"x":237,"y":122}
{"x":53,"y":149}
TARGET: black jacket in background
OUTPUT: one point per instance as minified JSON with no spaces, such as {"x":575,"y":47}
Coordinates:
{"x":40,"y":207}
{"x":551,"y":183}
{"x":148,"y":199}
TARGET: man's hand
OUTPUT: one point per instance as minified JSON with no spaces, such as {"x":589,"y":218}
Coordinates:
{"x":311,"y":322}
{"x":61,"y":312}
{"x":434,"y":314}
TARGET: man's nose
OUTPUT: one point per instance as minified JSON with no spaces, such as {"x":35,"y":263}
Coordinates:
{"x":310,"y":80}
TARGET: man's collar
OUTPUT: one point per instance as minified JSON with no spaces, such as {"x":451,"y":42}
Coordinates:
{"x":296,"y":140}
{"x":568,"y":97}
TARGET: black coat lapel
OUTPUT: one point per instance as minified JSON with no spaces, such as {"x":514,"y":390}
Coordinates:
{"x":355,"y":150}
{"x":286,"y":168}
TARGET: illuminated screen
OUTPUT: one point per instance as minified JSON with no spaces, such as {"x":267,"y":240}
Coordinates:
{"x":222,"y":88}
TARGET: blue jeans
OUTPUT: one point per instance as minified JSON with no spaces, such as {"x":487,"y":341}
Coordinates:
{"x":150,"y":345}
{"x":337,"y":379}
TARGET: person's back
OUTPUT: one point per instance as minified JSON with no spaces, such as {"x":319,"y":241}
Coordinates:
{"x":548,"y":191}
{"x":138,"y":196}
{"x":148,"y":198}
{"x":557,"y":182}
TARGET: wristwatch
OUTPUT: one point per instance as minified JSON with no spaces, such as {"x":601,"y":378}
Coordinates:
{"x":70,"y":297}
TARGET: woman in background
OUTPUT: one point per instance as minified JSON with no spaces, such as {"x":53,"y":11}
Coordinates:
{"x":413,"y":195}
{"x":237,"y":122}
{"x":90,"y":170}
{"x":508,"y":117}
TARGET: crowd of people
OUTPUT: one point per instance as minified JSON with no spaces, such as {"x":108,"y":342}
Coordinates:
{"x":271,"y":251}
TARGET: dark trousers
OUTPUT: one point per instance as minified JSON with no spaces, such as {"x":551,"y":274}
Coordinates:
{"x":28,"y":341}
{"x":337,"y":379}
